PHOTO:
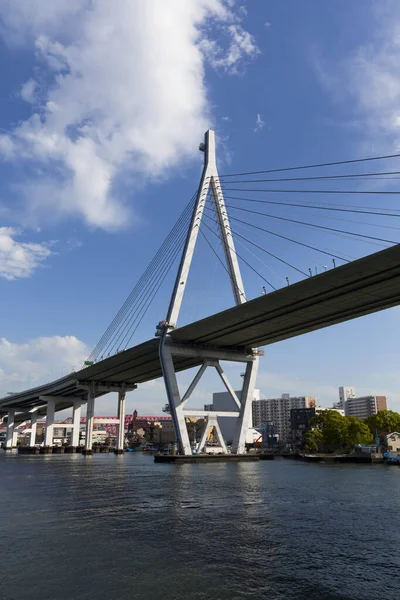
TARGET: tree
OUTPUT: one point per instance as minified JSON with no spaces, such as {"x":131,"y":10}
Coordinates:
{"x":357,"y":432}
{"x":385,"y":421}
{"x":313,"y":440}
{"x":332,"y":431}
{"x":332,"y":426}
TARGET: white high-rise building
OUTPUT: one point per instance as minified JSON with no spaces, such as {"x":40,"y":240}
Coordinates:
{"x":345,"y":392}
{"x":277,"y":412}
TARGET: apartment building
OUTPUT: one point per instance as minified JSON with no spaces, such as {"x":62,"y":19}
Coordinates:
{"x":277,"y":412}
{"x":364,"y":406}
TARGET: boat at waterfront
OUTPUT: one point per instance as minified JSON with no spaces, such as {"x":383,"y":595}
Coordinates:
{"x":391,"y":459}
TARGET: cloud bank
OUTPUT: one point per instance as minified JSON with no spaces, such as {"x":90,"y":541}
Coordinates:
{"x":38,"y":360}
{"x":367,"y":79}
{"x":118,"y":90}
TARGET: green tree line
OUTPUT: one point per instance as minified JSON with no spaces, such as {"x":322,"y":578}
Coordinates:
{"x":331,"y":431}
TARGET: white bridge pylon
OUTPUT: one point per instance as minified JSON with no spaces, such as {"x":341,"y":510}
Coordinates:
{"x":209,"y":356}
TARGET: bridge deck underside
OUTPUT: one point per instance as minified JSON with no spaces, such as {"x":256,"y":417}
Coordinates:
{"x":362,"y":287}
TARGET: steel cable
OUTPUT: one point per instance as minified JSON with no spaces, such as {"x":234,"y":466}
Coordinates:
{"x":361,"y":235}
{"x":313,"y":166}
{"x":119,"y":338}
{"x":317,"y":207}
{"x":243,"y":259}
{"x":331,"y":254}
{"x":143,"y":281}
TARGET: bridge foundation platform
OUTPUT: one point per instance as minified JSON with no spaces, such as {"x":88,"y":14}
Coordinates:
{"x":28,"y":450}
{"x":58,"y":450}
{"x":46,"y":450}
{"x":205,"y":458}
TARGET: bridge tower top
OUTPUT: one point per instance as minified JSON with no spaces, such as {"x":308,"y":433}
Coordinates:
{"x":209,"y":181}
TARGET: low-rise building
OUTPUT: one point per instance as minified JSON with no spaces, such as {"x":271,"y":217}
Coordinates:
{"x":392,"y":442}
{"x":224,"y":401}
{"x":300,"y":422}
{"x":320,"y":409}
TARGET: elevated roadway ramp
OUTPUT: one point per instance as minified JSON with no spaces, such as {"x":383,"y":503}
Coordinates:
{"x":365,"y":286}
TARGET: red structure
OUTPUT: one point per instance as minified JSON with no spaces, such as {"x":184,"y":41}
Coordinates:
{"x":141,"y":422}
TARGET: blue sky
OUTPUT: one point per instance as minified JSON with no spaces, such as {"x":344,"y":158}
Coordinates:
{"x":102,"y":109}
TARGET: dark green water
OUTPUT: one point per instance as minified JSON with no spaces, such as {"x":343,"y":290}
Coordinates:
{"x":123,"y":528}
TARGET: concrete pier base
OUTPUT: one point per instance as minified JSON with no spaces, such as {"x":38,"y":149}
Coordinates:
{"x":119,"y":452}
{"x":46,"y":450}
{"x":203,"y":458}
{"x":70,"y":450}
{"x":58,"y":450}
{"x":28,"y":450}
{"x":8,"y":448}
{"x":87,"y":452}
{"x":266,"y":456}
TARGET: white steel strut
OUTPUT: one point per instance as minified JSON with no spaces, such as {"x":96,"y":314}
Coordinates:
{"x":209,"y":181}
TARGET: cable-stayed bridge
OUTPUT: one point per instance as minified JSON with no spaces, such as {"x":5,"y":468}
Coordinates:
{"x":359,"y":287}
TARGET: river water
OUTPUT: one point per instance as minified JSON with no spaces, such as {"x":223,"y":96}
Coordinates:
{"x":123,"y":528}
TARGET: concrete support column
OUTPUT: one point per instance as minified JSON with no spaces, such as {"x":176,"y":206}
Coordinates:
{"x":10,"y":439}
{"x":239,"y":442}
{"x":89,"y":421}
{"x":121,"y":417}
{"x":174,"y":399}
{"x":76,"y":422}
{"x":48,"y":436}
{"x":32,"y":435}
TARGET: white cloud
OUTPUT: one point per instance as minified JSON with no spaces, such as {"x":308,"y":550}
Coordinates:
{"x":28,"y":90}
{"x":37,"y":361}
{"x":19,"y":259}
{"x":375,"y":83}
{"x":242,"y":46}
{"x":260,"y":124}
{"x":125,"y":93}
{"x":370,"y":78}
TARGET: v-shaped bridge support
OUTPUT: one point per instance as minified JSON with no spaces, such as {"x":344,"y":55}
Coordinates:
{"x":209,"y":181}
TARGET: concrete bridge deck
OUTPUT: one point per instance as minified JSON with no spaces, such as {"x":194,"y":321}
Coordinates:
{"x":362,"y":287}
